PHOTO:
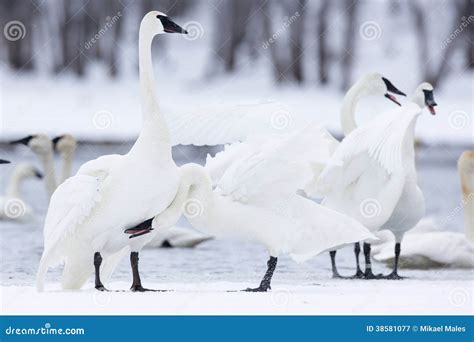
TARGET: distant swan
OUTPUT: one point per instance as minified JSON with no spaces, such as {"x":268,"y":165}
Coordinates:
{"x":66,"y":146}
{"x":427,"y":247}
{"x":87,"y":212}
{"x":12,"y":206}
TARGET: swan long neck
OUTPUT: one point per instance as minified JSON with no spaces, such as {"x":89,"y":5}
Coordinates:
{"x":13,"y":188}
{"x":349,"y":103}
{"x":154,"y":128}
{"x":466,"y":173}
{"x":66,"y":165}
{"x":49,"y":173}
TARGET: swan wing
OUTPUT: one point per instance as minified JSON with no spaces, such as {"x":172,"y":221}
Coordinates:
{"x":224,"y":124}
{"x":74,"y":200}
{"x":274,"y":165}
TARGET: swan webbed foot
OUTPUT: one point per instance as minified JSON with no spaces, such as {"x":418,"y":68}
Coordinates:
{"x":258,"y":289}
{"x":369,"y":275}
{"x":101,"y":288}
{"x":393,"y":276}
{"x":140,"y":288}
{"x":359,"y":275}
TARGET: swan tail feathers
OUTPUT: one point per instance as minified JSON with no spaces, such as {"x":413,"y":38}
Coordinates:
{"x":43,"y":268}
{"x":77,"y":270}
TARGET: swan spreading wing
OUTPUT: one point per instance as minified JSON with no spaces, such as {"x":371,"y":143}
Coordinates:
{"x":271,"y":166}
{"x":225,"y":124}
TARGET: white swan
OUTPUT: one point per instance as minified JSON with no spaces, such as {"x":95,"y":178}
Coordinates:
{"x":66,"y":146}
{"x":427,"y":247}
{"x":87,"y":211}
{"x":256,"y":200}
{"x":377,"y":183}
{"x":12,"y":206}
{"x":42,"y":146}
{"x":321,"y":141}
{"x":225,"y":124}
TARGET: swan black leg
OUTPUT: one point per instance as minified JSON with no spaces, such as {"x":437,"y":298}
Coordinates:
{"x":335,"y":273}
{"x":368,"y":264}
{"x":137,"y":283}
{"x":394,"y":275}
{"x":97,"y":262}
{"x":267,"y":278}
{"x":359,"y":274}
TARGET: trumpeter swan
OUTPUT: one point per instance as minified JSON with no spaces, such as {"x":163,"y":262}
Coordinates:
{"x":12,"y":206}
{"x":87,"y":212}
{"x":66,"y":146}
{"x":256,"y":200}
{"x":427,"y":247}
{"x":320,"y":139}
{"x":42,"y":146}
{"x":377,"y":183}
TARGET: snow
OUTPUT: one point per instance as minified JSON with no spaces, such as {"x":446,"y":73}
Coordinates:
{"x":326,"y":296}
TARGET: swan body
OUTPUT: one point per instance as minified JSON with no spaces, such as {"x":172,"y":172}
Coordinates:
{"x":87,"y":211}
{"x":12,"y":206}
{"x":427,"y":247}
{"x":256,"y":200}
{"x":377,"y":182}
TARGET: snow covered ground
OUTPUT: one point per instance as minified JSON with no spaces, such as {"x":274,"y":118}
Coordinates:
{"x":201,"y":277}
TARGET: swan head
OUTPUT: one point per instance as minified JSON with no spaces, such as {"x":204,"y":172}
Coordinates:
{"x":424,"y":97}
{"x":39,"y":143}
{"x":26,"y":170}
{"x":64,"y":143}
{"x":156,"y":22}
{"x":3,"y":161}
{"x":375,"y":84}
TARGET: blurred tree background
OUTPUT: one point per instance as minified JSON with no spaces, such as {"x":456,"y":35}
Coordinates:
{"x":238,"y":29}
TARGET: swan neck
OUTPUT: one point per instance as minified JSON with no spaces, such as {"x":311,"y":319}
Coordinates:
{"x":49,"y":173}
{"x":67,"y":165}
{"x":13,"y":188}
{"x":466,"y":173}
{"x":154,"y":127}
{"x":349,"y":103}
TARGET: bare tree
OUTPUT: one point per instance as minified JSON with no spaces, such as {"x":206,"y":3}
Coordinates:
{"x":323,"y":53}
{"x":349,"y":41}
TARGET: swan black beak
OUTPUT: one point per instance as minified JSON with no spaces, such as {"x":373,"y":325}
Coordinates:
{"x":56,"y":140}
{"x":391,"y":88}
{"x":430,"y":101}
{"x":3,"y":161}
{"x":23,"y":141}
{"x":38,"y":174}
{"x":170,"y":26}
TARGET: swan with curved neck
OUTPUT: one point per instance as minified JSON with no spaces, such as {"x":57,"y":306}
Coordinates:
{"x":379,"y":172}
{"x":42,"y":146}
{"x":12,"y":207}
{"x":284,"y":223}
{"x":87,"y":212}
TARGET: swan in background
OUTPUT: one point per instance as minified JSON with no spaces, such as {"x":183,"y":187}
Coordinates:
{"x":377,"y":183}
{"x":87,"y":212}
{"x":226,"y":124}
{"x":66,"y":146}
{"x":256,"y":200}
{"x":12,"y":206}
{"x":426,"y":247}
{"x":3,"y":161}
{"x":42,"y":146}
